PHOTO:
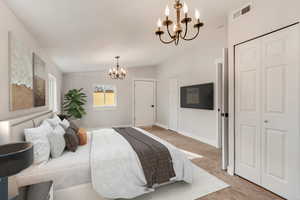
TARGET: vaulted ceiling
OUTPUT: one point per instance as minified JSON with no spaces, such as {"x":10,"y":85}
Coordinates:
{"x":83,"y":35}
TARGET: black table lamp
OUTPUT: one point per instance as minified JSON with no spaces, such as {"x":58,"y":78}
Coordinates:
{"x":13,"y":158}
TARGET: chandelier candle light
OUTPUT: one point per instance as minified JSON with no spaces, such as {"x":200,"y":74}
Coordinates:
{"x":178,"y":32}
{"x":117,"y":72}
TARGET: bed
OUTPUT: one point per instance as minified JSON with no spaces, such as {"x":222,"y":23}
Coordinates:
{"x":86,"y":164}
{"x":69,"y":170}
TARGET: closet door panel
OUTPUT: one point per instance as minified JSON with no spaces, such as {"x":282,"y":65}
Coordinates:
{"x":275,"y":155}
{"x":275,"y":89}
{"x":279,"y":110}
{"x":248,"y":145}
{"x":247,"y":111}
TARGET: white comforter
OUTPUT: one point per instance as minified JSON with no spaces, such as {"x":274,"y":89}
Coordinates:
{"x":116,"y":170}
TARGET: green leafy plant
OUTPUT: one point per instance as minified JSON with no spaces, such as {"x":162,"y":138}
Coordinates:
{"x":73,"y":104}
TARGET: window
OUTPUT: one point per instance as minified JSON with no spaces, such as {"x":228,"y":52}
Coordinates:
{"x":105,"y":96}
{"x":52,"y":93}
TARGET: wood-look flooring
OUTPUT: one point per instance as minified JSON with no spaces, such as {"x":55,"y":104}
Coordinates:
{"x":240,"y":189}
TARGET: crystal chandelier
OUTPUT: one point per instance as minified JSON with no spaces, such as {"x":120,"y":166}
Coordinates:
{"x":117,"y":72}
{"x":178,"y":31}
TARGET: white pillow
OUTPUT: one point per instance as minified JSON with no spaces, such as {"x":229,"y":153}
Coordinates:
{"x":54,"y":121}
{"x":41,"y":151}
{"x":38,"y":137}
{"x":36,"y":133}
{"x":59,"y":130}
{"x":65,"y":124}
{"x":57,"y":142}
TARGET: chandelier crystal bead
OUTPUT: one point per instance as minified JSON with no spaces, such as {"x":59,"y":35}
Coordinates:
{"x":180,"y":27}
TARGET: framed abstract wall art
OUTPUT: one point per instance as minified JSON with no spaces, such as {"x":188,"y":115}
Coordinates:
{"x":39,"y":81}
{"x":21,"y":75}
{"x":27,"y":76}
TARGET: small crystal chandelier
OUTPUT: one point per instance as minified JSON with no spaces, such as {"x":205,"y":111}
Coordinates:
{"x":178,"y":32}
{"x":118,"y":72}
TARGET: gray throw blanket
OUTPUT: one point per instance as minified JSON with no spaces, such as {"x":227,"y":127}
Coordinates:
{"x":155,"y":158}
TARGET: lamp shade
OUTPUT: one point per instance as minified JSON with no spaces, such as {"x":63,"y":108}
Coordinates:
{"x":15,"y":157}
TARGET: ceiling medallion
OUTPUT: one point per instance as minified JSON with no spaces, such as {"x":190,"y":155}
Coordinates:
{"x":178,"y":32}
{"x":117,"y":72}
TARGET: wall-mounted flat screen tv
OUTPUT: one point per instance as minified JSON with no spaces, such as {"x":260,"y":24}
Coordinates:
{"x":197,"y":96}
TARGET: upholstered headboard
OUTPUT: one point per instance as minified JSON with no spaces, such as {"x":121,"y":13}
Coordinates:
{"x":13,"y":130}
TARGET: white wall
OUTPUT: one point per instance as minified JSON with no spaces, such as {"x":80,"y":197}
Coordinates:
{"x":97,"y":117}
{"x":266,"y":16}
{"x":9,"y":22}
{"x":194,"y":66}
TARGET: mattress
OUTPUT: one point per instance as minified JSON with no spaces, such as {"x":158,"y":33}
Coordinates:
{"x":66,"y":171}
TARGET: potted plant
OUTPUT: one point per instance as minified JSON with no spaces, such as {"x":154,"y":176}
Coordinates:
{"x":74,"y":101}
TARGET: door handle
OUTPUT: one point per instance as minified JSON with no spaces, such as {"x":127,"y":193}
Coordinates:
{"x":266,"y":121}
{"x":226,"y":115}
{"x":152,"y":106}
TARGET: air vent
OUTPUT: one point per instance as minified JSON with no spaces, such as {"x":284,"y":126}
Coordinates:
{"x":242,"y":11}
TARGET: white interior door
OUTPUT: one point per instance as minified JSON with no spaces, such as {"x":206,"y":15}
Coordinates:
{"x":144,"y":103}
{"x":224,"y":110}
{"x":248,"y":110}
{"x":280,"y":90}
{"x":173,"y":104}
{"x":220,"y":102}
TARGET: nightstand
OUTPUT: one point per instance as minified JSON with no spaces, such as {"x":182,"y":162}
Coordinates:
{"x":40,"y":191}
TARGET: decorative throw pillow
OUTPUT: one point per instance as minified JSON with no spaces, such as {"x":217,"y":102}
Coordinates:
{"x":71,"y":140}
{"x":54,"y":121}
{"x":57,"y":142}
{"x":38,"y":137}
{"x":59,"y":130}
{"x":74,"y":126}
{"x":82,"y":135}
{"x":71,"y":131}
{"x":62,"y":117}
{"x":41,"y":151}
{"x":36,"y":133}
{"x":65,"y":124}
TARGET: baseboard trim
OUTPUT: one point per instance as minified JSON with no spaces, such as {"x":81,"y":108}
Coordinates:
{"x":230,"y":170}
{"x":103,"y":127}
{"x":128,"y":125}
{"x":201,"y":139}
{"x":161,"y":126}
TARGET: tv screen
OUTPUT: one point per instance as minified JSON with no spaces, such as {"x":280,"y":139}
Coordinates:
{"x":197,"y":96}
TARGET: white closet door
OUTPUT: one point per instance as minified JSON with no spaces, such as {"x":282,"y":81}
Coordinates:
{"x":267,"y":111}
{"x":248,"y":110}
{"x":280,"y":89}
